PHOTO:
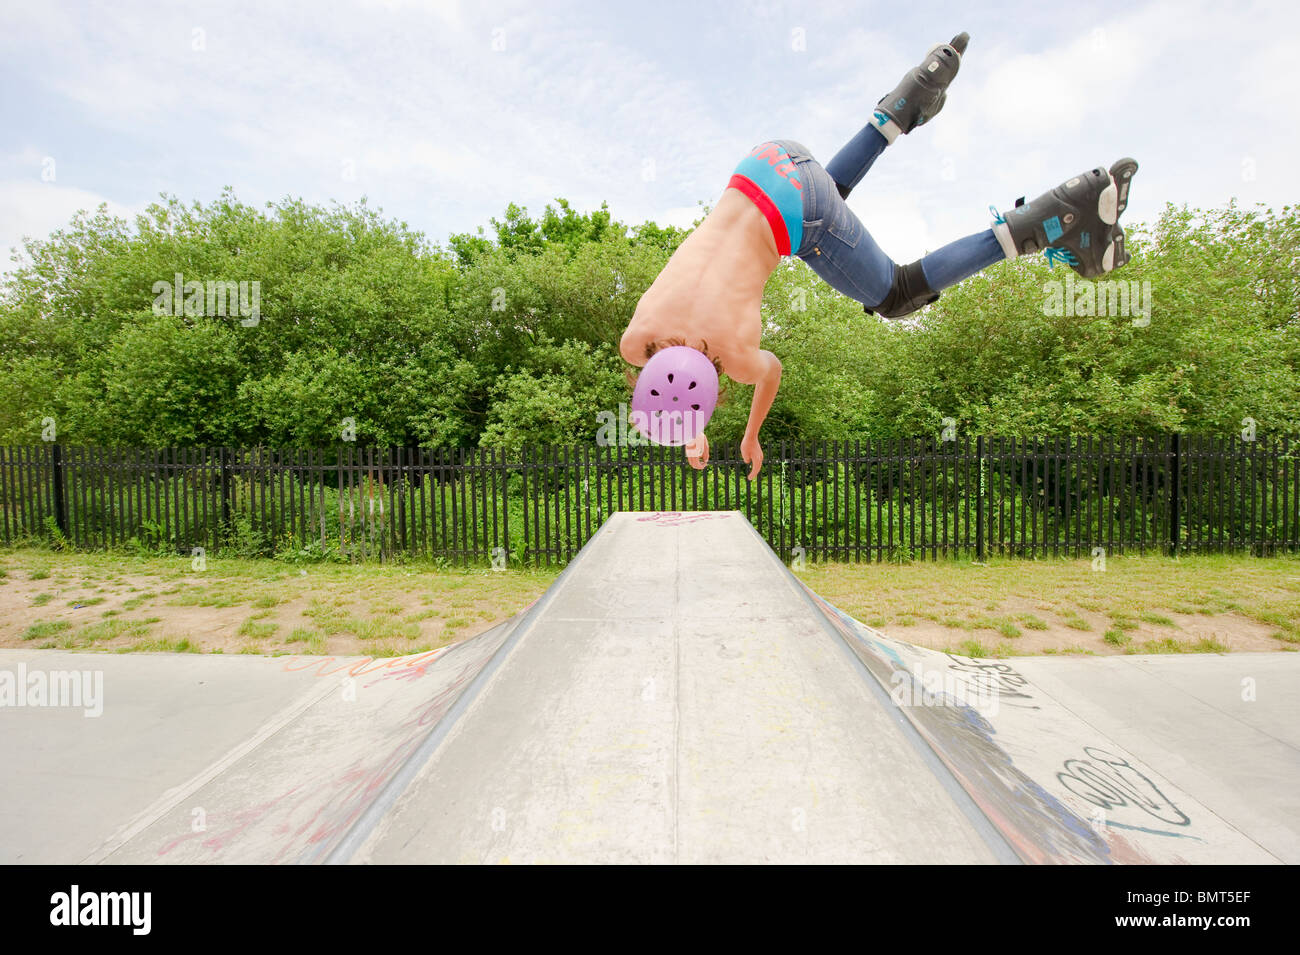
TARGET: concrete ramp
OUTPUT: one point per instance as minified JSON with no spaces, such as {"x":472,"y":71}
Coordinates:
{"x":1055,"y":786}
{"x":676,"y":696}
{"x":294,"y":791}
{"x":680,"y":700}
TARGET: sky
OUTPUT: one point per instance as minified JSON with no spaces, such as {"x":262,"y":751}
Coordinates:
{"x":441,"y":112}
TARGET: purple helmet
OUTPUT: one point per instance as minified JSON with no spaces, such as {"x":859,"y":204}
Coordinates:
{"x":675,"y":395}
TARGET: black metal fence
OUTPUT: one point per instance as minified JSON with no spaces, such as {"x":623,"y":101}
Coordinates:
{"x":894,"y":499}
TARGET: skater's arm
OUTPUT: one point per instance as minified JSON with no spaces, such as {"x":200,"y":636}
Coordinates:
{"x":697,"y":452}
{"x":633,"y":343}
{"x":763,"y":371}
{"x":765,"y":388}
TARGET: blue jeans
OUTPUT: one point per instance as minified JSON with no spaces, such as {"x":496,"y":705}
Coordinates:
{"x":838,"y":247}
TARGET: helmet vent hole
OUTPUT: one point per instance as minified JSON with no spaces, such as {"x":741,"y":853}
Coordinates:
{"x":695,"y":407}
{"x":670,"y":378}
{"x":690,"y":386}
{"x":654,"y":392}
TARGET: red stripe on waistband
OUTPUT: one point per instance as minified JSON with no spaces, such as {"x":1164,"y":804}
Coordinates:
{"x":765,"y":206}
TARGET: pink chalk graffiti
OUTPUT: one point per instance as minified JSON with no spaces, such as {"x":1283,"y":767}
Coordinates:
{"x":678,"y":518}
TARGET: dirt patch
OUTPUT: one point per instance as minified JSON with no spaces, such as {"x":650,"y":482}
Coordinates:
{"x":1137,"y":605}
{"x":1006,"y":607}
{"x":1189,"y":633}
{"x":337,"y":611}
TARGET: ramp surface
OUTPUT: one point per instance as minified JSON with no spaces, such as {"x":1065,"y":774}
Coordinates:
{"x":676,"y":696}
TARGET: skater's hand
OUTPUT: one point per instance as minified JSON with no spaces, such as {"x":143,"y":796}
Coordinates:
{"x":751,"y":452}
{"x":697,"y":452}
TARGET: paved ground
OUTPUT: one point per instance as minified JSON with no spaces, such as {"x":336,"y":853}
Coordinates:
{"x":676,"y":696}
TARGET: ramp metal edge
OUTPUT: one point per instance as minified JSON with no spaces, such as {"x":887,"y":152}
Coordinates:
{"x":992,"y":836}
{"x":361,"y":830}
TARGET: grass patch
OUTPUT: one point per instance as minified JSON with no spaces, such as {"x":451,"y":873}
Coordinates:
{"x":206,"y":597}
{"x":258,"y":631}
{"x":161,"y":645}
{"x":1117,"y":638}
{"x":388,"y":650}
{"x":313,"y":642}
{"x":114,"y":628}
{"x":86,"y":601}
{"x":987,"y":599}
{"x":333,"y":620}
{"x":45,"y":629}
{"x":40,"y":600}
{"x":1159,"y":619}
{"x":384,"y":629}
{"x":1003,"y":625}
{"x":1138,"y":593}
{"x":329,"y":618}
{"x":134,"y":602}
{"x":1163,"y":645}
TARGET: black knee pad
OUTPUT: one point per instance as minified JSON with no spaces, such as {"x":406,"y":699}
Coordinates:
{"x":909,"y":292}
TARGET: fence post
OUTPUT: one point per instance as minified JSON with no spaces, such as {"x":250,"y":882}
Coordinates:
{"x":224,"y":482}
{"x":979,"y":498}
{"x":56,"y":488}
{"x":504,"y":503}
{"x":1177,"y":469}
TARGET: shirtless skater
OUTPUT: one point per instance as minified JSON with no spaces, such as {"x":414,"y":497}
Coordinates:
{"x":701,"y":315}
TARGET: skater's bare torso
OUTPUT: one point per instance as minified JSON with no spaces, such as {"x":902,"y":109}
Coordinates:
{"x":710,"y":294}
{"x":711,"y":291}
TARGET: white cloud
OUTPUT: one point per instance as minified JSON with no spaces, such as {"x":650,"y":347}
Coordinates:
{"x":646,"y":108}
{"x":30,"y":208}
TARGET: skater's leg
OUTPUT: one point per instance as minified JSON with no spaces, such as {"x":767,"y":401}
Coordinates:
{"x":915,"y":100}
{"x":958,"y":261}
{"x":866,"y":274}
{"x":811,"y":220}
{"x":840,"y":249}
{"x":1077,"y":222}
{"x":922,"y":92}
{"x":851,"y":163}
